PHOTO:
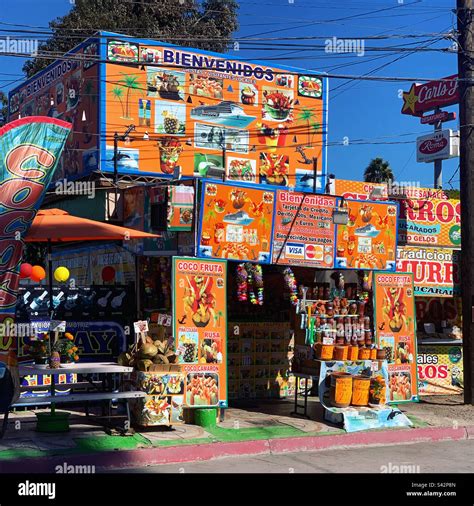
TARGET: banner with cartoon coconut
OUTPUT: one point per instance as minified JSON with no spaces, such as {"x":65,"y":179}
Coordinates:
{"x":236,"y":222}
{"x":200,"y":328}
{"x":369,"y":240}
{"x":395,"y":327}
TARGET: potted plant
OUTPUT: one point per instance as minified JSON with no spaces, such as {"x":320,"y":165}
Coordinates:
{"x":38,"y":349}
{"x":377,"y":391}
{"x":66,"y":349}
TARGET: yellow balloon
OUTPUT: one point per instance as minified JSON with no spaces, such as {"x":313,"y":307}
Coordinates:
{"x":61,"y":274}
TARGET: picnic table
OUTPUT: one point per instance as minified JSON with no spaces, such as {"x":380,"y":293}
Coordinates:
{"x":103,"y":390}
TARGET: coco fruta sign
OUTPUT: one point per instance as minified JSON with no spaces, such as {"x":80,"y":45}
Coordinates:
{"x":435,"y":271}
{"x":439,"y":145}
{"x":304,"y":230}
{"x":431,"y":95}
{"x":395,"y":328}
{"x":200,"y":328}
{"x":430,"y":222}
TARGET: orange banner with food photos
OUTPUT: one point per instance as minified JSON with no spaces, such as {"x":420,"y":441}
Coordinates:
{"x":369,"y":240}
{"x":213,"y":116}
{"x":395,"y":328}
{"x":236,"y":222}
{"x":304,"y":230}
{"x":200,"y":328}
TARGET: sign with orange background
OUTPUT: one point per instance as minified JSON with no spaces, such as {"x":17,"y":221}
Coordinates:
{"x":209,"y":114}
{"x":358,"y":190}
{"x":369,"y":240}
{"x":200,"y":328}
{"x":395,"y":328}
{"x":430,"y":222}
{"x":235,"y":222}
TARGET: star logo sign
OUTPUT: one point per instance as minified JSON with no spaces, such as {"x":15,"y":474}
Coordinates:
{"x":409,"y":101}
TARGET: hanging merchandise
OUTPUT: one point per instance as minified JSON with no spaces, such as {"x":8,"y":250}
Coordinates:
{"x":241,"y":283}
{"x":291,"y":284}
{"x":258,"y":283}
{"x":180,"y":208}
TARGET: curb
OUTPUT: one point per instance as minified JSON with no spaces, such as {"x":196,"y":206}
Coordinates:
{"x":122,"y":459}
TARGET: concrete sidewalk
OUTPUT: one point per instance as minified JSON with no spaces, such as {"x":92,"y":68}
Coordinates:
{"x":255,"y":427}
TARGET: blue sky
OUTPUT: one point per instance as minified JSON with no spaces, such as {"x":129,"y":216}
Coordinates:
{"x":362,"y":111}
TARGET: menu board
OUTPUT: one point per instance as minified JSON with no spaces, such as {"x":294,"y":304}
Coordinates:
{"x":369,"y":240}
{"x":395,"y":327}
{"x":304,"y":230}
{"x":236,"y":222}
{"x":430,"y":222}
{"x":200,"y":328}
{"x":435,"y":270}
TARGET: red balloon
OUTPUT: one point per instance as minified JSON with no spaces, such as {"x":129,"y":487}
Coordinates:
{"x":25,"y":271}
{"x":37,"y":273}
{"x":108,"y":273}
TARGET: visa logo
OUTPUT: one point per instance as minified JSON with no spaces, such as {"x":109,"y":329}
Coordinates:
{"x":294,"y":250}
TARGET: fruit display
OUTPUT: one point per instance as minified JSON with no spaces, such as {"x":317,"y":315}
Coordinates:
{"x":241,"y":170}
{"x":274,"y":168}
{"x":145,"y":355}
{"x":170,"y":149}
{"x":202,"y":389}
{"x":171,"y":123}
{"x":395,"y":309}
{"x":277,"y":105}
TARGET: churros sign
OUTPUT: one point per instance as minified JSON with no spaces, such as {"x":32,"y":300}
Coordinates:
{"x":435,"y":270}
{"x":430,"y":222}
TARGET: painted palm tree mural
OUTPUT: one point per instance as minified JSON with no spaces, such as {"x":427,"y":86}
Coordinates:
{"x":132,"y":85}
{"x":117,"y":93}
{"x":308,"y":115}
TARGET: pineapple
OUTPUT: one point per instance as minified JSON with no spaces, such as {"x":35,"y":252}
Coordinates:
{"x":171,"y":123}
{"x":189,"y":353}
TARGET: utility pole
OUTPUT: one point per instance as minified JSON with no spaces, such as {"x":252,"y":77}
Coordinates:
{"x":466,"y":172}
{"x":438,"y":164}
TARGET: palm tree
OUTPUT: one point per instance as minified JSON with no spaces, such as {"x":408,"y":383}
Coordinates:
{"x":378,"y":171}
{"x":131,"y":83}
{"x":117,"y":93}
{"x":307,"y":115}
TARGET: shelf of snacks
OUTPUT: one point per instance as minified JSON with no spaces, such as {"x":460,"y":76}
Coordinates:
{"x":262,"y":363}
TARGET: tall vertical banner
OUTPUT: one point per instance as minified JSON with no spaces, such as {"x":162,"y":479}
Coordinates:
{"x":395,"y":326}
{"x":200,"y":328}
{"x":29,"y":153}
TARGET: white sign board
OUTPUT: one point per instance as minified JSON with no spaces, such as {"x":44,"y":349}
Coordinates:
{"x":437,"y":146}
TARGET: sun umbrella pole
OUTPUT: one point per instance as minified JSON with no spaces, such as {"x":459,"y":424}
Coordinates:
{"x":51,"y":311}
